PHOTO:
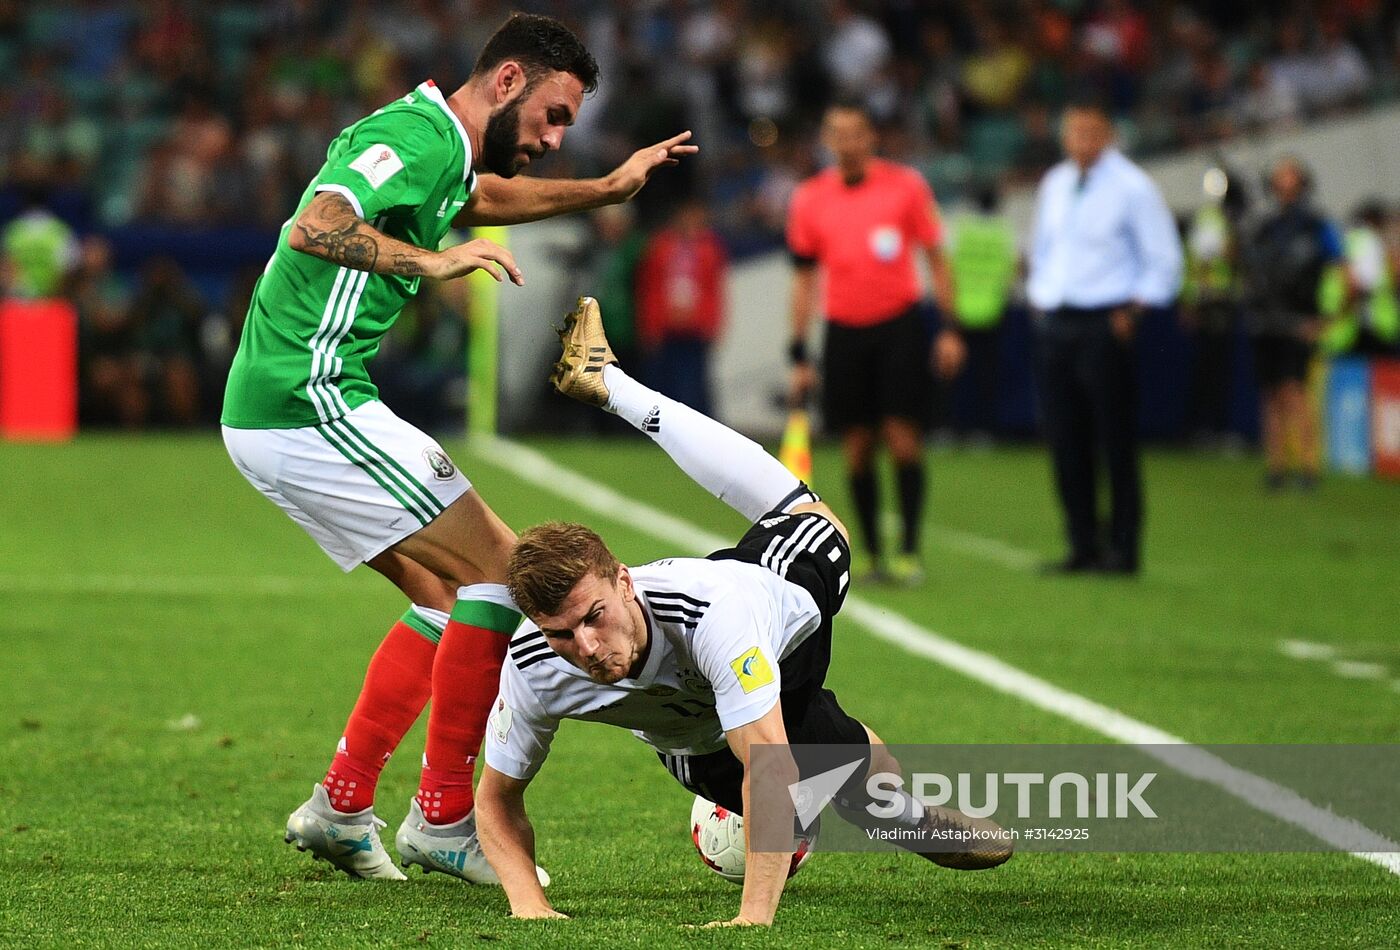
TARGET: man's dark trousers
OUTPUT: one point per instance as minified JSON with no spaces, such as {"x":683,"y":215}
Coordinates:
{"x":1089,"y":402}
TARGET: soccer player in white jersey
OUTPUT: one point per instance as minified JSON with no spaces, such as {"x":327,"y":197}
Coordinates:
{"x":701,"y":658}
{"x":303,"y":422}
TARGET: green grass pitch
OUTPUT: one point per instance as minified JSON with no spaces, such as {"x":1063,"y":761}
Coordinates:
{"x":179,"y":659}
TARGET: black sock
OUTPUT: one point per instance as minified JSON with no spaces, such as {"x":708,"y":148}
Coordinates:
{"x":910,"y":479}
{"x":866,"y":495}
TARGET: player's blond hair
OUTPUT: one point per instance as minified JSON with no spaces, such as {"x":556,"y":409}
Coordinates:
{"x":549,"y":559}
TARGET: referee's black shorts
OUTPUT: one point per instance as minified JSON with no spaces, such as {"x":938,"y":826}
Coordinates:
{"x":1281,"y":358}
{"x":807,"y":550}
{"x":877,"y":372}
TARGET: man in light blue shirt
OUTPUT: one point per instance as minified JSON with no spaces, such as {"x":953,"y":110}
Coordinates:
{"x":1103,"y":250}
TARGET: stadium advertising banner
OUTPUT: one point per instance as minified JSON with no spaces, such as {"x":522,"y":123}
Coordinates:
{"x":1385,"y":417}
{"x":1106,"y":798}
{"x":38,"y":370}
{"x":1348,"y":416}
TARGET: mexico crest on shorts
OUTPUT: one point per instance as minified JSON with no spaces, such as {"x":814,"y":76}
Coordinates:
{"x":439,"y":462}
{"x":501,"y":718}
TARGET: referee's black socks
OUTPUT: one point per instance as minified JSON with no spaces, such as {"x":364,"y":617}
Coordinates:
{"x":910,"y":479}
{"x":865,"y":492}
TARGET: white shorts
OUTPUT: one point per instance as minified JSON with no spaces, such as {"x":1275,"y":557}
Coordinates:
{"x":358,"y":484}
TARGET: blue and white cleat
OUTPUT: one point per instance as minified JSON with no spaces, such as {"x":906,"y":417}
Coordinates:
{"x":350,"y":842}
{"x":448,"y":849}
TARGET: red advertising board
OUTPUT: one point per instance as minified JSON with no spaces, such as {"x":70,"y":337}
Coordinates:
{"x":38,"y":370}
{"x":1385,"y":417}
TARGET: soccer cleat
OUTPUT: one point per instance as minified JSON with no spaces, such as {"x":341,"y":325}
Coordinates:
{"x":350,"y":842}
{"x":906,"y":570}
{"x":988,"y":843}
{"x":868,"y":568}
{"x":448,"y":849}
{"x":579,"y":372}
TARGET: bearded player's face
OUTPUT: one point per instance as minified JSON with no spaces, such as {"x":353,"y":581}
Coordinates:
{"x":530,"y":123}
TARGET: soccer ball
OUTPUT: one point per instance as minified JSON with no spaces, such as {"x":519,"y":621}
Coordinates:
{"x":718,"y":834}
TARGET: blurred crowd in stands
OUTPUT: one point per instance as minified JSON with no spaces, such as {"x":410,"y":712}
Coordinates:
{"x":147,"y":128}
{"x":220,"y":111}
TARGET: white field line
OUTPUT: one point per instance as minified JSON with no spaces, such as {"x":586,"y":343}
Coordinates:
{"x":1260,"y":793}
{"x":1358,"y":670}
{"x":1306,"y":650}
{"x":971,"y":545}
{"x":1011,"y":556}
{"x":988,"y":549}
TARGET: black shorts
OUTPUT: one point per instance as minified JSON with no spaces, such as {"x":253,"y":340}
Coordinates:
{"x":876,"y":372}
{"x":800,"y":549}
{"x":1281,"y":358}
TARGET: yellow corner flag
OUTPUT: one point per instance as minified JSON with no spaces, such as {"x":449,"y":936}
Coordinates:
{"x":795,"y":452}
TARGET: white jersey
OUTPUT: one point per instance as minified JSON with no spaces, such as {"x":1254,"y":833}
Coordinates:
{"x":716,"y":632}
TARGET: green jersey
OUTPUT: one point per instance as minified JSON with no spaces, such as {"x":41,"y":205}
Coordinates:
{"x":983,"y":262}
{"x":313,"y":326}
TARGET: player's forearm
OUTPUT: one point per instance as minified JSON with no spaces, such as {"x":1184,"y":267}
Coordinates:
{"x":501,"y":201}
{"x":330,"y":229}
{"x":765,"y":872}
{"x":943,"y":288}
{"x":508,"y":840}
{"x":804,"y":286}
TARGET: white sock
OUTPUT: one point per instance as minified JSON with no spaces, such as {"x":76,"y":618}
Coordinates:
{"x":497,"y":594}
{"x":733,"y":468}
{"x":437,"y":619}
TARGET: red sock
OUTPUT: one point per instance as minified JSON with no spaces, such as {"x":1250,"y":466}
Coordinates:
{"x":466,"y":678}
{"x":396,"y":689}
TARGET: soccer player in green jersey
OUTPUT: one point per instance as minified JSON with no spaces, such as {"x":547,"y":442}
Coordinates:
{"x":303,"y":422}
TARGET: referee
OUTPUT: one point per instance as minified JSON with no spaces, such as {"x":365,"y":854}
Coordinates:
{"x":859,"y":222}
{"x":1104,"y":248}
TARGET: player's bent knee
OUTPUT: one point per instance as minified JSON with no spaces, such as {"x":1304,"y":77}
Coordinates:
{"x":821,"y":508}
{"x":881,"y":759}
{"x":419,"y":584}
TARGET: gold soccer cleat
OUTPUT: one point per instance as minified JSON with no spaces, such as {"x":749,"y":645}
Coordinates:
{"x":985,"y":843}
{"x":579,"y":372}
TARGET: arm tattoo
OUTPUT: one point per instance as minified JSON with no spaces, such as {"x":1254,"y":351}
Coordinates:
{"x":406,"y":265}
{"x":333,"y":232}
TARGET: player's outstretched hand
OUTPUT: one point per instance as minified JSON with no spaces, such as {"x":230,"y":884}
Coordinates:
{"x":628,"y":178}
{"x":480,"y":254}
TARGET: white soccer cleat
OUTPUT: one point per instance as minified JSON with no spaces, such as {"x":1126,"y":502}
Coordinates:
{"x":449,"y":849}
{"x":348,"y":841}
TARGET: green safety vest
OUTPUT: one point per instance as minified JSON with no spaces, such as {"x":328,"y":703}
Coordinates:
{"x":1216,"y":279}
{"x":983,"y":262}
{"x":1380,"y":306}
{"x":40,"y":249}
